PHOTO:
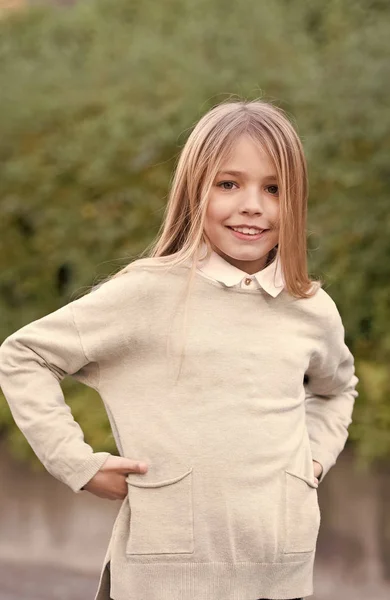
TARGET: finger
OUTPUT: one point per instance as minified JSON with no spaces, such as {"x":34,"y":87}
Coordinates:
{"x":127,"y":465}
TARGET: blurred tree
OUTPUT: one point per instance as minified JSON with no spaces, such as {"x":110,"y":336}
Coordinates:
{"x":96,"y":102}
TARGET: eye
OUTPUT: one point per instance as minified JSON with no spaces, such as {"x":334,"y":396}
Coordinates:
{"x":274,"y":187}
{"x":223,"y":183}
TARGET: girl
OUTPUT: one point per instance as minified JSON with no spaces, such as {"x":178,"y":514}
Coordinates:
{"x":224,"y":372}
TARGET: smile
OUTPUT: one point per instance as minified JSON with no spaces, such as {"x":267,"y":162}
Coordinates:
{"x":248,"y":233}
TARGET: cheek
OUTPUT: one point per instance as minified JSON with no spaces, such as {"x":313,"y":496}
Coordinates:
{"x":216,"y":212}
{"x":273,"y":206}
{"x":274,"y":213}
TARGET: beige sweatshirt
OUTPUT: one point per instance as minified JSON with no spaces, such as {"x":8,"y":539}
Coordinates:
{"x":228,"y":509}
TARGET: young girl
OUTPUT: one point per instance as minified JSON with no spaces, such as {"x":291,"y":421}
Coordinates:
{"x":224,"y":372}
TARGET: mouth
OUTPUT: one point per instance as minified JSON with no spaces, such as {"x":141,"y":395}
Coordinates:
{"x":248,"y":233}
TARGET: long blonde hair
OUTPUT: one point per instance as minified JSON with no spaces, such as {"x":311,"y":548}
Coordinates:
{"x":210,"y":142}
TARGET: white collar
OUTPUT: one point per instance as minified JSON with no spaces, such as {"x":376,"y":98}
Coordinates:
{"x":270,"y":278}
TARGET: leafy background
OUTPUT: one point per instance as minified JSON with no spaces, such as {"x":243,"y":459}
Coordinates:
{"x":97,"y":99}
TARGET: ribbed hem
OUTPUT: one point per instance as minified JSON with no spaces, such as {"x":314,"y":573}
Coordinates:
{"x":214,"y":581}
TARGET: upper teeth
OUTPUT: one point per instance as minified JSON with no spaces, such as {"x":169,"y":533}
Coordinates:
{"x":250,"y":230}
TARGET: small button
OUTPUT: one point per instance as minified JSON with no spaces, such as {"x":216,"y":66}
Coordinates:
{"x":248,"y":281}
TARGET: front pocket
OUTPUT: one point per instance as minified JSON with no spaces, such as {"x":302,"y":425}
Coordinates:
{"x":302,"y":513}
{"x":161,"y":516}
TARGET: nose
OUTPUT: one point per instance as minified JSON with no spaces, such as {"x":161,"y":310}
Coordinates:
{"x":252,"y":203}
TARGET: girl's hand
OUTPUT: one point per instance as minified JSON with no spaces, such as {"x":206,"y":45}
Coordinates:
{"x":317,"y":470}
{"x":110,"y":481}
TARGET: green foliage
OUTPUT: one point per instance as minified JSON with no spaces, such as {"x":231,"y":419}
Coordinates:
{"x":96,"y":102}
{"x":372,"y":415}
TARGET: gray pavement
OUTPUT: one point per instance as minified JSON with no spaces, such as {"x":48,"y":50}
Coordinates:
{"x":32,"y":582}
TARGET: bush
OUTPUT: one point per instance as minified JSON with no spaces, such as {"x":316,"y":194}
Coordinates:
{"x":97,"y":101}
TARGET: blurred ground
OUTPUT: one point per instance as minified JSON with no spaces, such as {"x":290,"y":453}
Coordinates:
{"x":31,"y":582}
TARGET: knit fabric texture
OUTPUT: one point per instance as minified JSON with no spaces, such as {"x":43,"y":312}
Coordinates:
{"x":228,"y":401}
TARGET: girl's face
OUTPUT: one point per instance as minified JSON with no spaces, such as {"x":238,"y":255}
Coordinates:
{"x":244,"y":196}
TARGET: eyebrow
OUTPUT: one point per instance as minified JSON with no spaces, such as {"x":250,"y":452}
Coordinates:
{"x":271,"y":177}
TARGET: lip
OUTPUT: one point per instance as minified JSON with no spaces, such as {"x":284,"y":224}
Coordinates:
{"x":246,"y":225}
{"x":247,"y":236}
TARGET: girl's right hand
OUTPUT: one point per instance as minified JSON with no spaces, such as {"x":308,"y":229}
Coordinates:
{"x":110,"y":481}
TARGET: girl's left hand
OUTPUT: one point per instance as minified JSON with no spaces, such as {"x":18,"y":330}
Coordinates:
{"x":317,"y":470}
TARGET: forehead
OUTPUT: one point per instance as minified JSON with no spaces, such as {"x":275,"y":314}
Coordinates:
{"x":248,"y":155}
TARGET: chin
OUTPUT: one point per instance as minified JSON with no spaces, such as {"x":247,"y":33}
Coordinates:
{"x":246,"y":256}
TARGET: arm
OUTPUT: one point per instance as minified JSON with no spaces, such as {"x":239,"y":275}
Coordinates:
{"x":330,"y":394}
{"x":33,"y":361}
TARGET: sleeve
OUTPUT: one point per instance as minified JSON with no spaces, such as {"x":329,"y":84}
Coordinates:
{"x":33,"y":361}
{"x":330,"y":393}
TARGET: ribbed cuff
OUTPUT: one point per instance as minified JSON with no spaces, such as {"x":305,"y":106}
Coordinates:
{"x":90,"y":468}
{"x":324,"y":458}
